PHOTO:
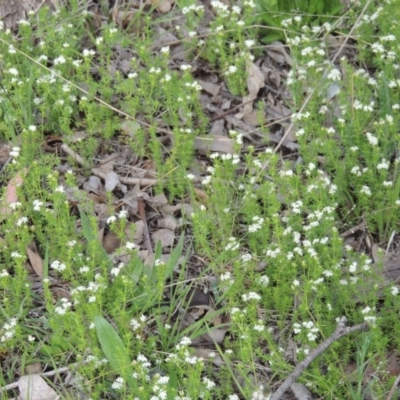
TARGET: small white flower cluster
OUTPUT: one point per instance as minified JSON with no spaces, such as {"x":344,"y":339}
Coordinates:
{"x":8,"y":330}
{"x":137,"y":324}
{"x":192,"y":8}
{"x":98,"y":363}
{"x":251,"y":296}
{"x":334,"y":75}
{"x":123,"y":214}
{"x":358,"y":171}
{"x":37,"y":204}
{"x":14,"y":153}
{"x":226,"y":277}
{"x":116,"y":270}
{"x":4,"y":273}
{"x":58,"y":266}
{"x":232,"y":69}
{"x":307,"y":326}
{"x":64,"y":306}
{"x":273,"y":253}
{"x":388,"y":120}
{"x":90,"y":289}
{"x":357,"y":105}
{"x":118,"y":384}
{"x":257,"y":224}
{"x":232,"y":245}
{"x":226,"y":157}
{"x":369,"y":316}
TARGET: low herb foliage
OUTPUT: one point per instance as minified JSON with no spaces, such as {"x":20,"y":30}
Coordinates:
{"x":270,"y":228}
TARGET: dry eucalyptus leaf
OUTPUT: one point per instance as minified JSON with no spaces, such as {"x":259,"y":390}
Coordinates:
{"x":108,"y":163}
{"x":169,"y":222}
{"x":215,"y":335}
{"x":277,"y":51}
{"x":93,"y":184}
{"x":111,"y":242}
{"x":166,"y":236}
{"x":34,"y":387}
{"x":163,"y":37}
{"x":11,"y":195}
{"x":210,"y":87}
{"x":35,"y":260}
{"x":255,"y":81}
{"x":158,"y":200}
{"x":111,"y":181}
{"x":217,"y":127}
{"x":216,"y":143}
{"x":163,"y":6}
{"x":209,"y":355}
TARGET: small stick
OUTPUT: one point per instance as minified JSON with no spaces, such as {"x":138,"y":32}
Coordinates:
{"x":142,"y":214}
{"x":394,"y":386}
{"x":340,"y":331}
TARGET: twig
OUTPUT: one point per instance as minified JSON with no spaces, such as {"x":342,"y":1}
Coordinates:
{"x":142,"y":214}
{"x":394,"y":386}
{"x":353,"y":230}
{"x":340,"y":331}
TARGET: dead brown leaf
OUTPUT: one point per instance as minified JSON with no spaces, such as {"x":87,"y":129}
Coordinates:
{"x":11,"y":195}
{"x":35,"y":259}
{"x":34,"y":387}
{"x":166,"y":236}
{"x":163,"y":6}
{"x":215,"y":143}
{"x":111,"y":242}
{"x":168,"y":222}
{"x":209,"y":355}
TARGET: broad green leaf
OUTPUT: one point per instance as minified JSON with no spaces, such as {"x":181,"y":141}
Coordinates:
{"x":114,"y":349}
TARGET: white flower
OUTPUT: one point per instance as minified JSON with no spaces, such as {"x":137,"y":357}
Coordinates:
{"x":372,"y":139}
{"x":13,"y":71}
{"x":88,"y":53}
{"x":22,"y":221}
{"x":59,"y":189}
{"x":111,"y":219}
{"x":366,"y":190}
{"x":383,"y":164}
{"x":251,"y":296}
{"x":165,"y":50}
{"x":130,"y":245}
{"x":59,"y":60}
{"x":249,"y":43}
{"x":118,"y":383}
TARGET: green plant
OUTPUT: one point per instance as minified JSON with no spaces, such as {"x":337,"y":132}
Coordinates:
{"x":279,"y":14}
